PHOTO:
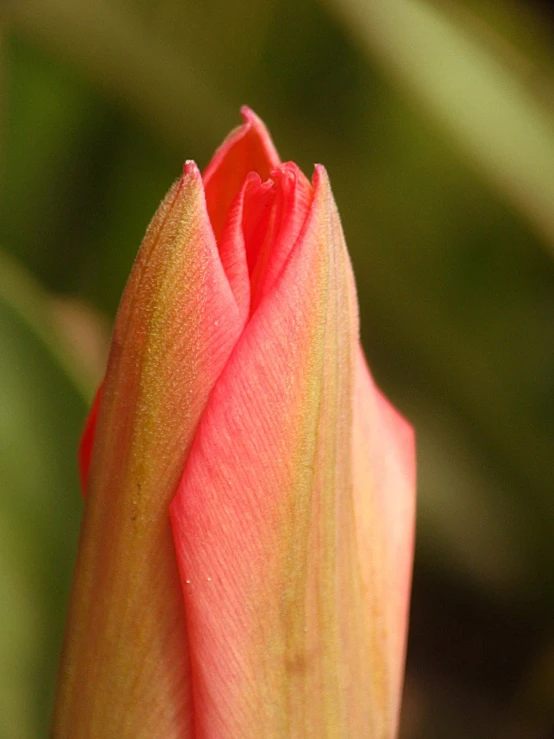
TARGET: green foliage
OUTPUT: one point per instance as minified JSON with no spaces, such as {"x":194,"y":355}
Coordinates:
{"x":40,"y":417}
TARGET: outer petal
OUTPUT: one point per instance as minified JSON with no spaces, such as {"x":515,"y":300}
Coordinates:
{"x":125,"y":668}
{"x":265,"y":517}
{"x":384,"y":486}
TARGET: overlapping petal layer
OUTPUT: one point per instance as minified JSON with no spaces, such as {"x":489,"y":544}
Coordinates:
{"x":280,"y":580}
{"x":384,"y":512}
{"x":247,"y":149}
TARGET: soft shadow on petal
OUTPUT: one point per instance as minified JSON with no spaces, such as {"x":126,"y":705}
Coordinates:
{"x":125,"y":667}
{"x":264,"y":519}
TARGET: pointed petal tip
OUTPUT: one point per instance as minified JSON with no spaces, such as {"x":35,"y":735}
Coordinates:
{"x":251,"y":119}
{"x":320,"y":178}
{"x":190,"y":169}
{"x":253,"y":122}
{"x":247,"y":114}
{"x":191,"y":177}
{"x":248,"y":148}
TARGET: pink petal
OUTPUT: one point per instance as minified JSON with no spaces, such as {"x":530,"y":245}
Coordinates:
{"x":271,"y":227}
{"x":87,"y":441}
{"x":125,"y":668}
{"x":232,"y":247}
{"x":384,"y":506}
{"x":261,"y":229}
{"x":247,"y":149}
{"x":273,"y":575}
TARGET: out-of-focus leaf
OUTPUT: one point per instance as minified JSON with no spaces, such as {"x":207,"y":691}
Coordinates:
{"x":51,"y":120}
{"x":472,"y":521}
{"x":23,"y":296}
{"x":123,"y":58}
{"x":461,"y":300}
{"x":2,"y":104}
{"x":481,"y":103}
{"x":40,"y":417}
{"x":217,"y":31}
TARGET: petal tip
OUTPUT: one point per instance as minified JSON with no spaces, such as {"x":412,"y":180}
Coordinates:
{"x":249,"y":118}
{"x":320,"y":176}
{"x":253,"y":122}
{"x":190,"y":170}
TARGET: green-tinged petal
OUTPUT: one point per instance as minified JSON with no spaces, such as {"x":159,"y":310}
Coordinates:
{"x":125,"y":666}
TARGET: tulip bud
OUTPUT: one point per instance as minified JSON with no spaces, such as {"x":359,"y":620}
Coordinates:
{"x":245,"y":557}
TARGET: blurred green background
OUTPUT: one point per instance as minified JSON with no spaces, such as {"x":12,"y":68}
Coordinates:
{"x":436,"y":124}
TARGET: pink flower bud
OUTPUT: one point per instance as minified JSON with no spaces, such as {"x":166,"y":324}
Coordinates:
{"x":245,"y":558}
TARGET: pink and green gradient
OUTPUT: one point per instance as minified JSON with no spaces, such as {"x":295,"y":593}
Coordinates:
{"x":245,"y":557}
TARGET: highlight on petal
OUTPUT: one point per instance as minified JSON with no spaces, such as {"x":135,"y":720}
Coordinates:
{"x":274,"y":568}
{"x":125,"y":666}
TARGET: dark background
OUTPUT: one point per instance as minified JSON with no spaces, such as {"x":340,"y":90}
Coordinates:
{"x":436,"y":124}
